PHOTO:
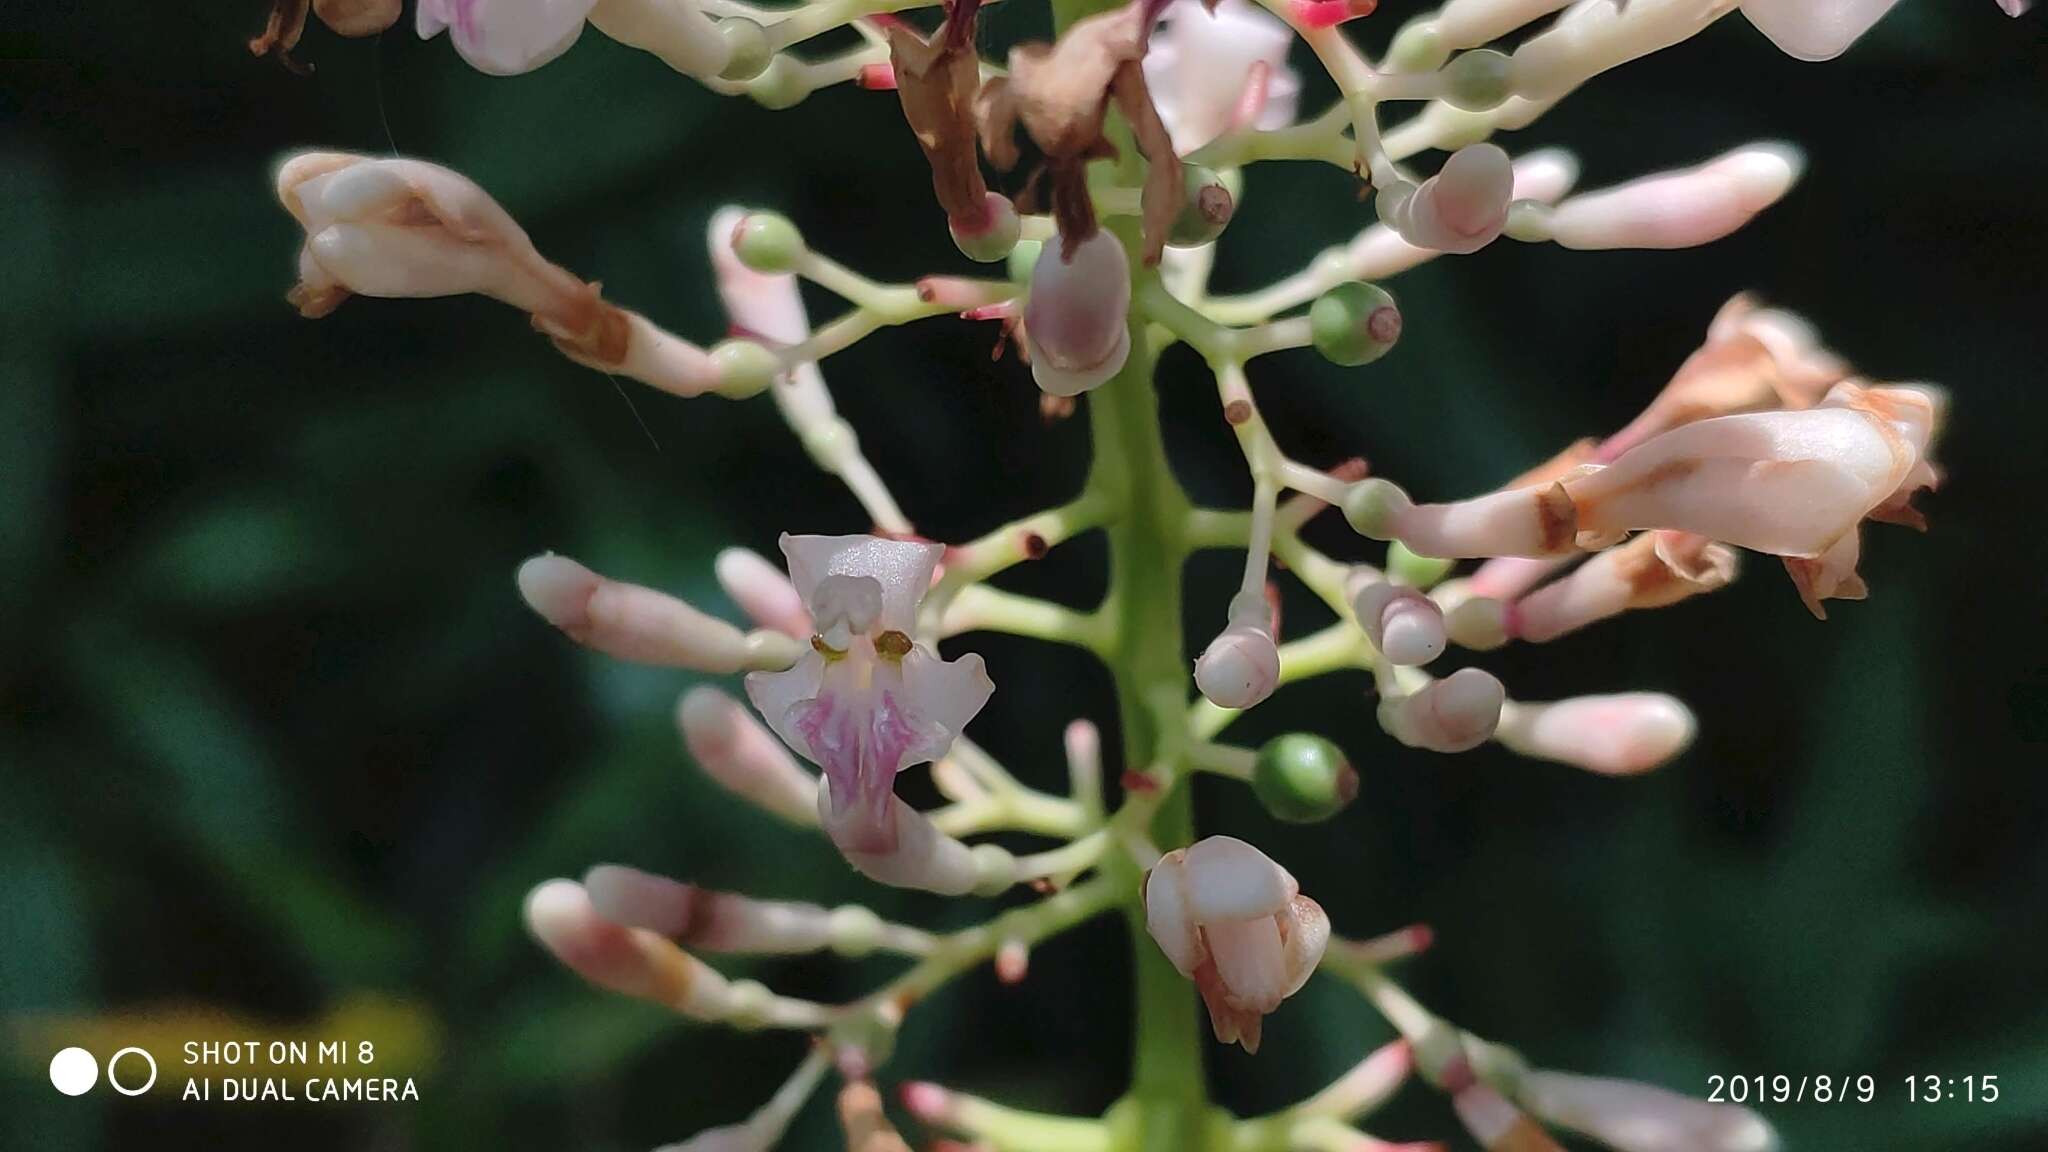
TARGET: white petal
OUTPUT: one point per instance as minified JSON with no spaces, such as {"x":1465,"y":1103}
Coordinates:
{"x":507,"y":37}
{"x":1815,"y":29}
{"x":1228,"y":879}
{"x":903,"y":567}
{"x":1307,"y":935}
{"x":775,"y":693}
{"x":1636,"y":1117}
{"x":1250,"y":961}
{"x":1166,"y":913}
{"x":1617,"y":735}
{"x":767,"y":305}
{"x":946,"y":693}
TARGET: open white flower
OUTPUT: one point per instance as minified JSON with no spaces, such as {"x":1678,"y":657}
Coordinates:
{"x":505,"y":37}
{"x":1235,"y":923}
{"x":1212,"y":69}
{"x":866,"y":700}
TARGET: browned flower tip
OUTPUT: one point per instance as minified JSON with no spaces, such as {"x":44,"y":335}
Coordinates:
{"x":936,"y":81}
{"x":281,"y":32}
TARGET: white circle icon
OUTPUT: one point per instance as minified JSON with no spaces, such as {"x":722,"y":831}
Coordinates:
{"x":73,"y":1071}
{"x":122,"y":1088}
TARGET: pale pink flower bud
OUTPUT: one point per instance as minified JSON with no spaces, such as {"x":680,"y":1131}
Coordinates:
{"x":1367,"y":1085}
{"x":505,"y":37}
{"x":1618,"y":735}
{"x":1815,"y":29}
{"x":865,"y":701}
{"x":1240,"y":667}
{"x":1379,"y":252}
{"x":1595,"y":35}
{"x":1497,"y":1125}
{"x":762,"y":591}
{"x":1683,"y":208}
{"x":632,"y":961}
{"x":1466,"y":23}
{"x":1460,"y":209}
{"x":1402,"y":622}
{"x":1533,"y":521}
{"x":1074,"y":320}
{"x":736,"y":751}
{"x":1632,"y":1117}
{"x":1235,"y":923}
{"x":1202,"y":63}
{"x":763,"y":304}
{"x":1652,"y":570}
{"x":917,"y":854}
{"x":699,"y":918}
{"x":1454,"y":714}
{"x":679,"y":32}
{"x":629,"y":622}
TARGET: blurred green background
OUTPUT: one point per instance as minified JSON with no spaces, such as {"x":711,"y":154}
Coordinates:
{"x":278,"y":741}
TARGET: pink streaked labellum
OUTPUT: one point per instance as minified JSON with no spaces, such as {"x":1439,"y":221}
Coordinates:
{"x":1379,"y":252}
{"x":505,"y":37}
{"x":1074,"y":319}
{"x":865,"y":700}
{"x":762,"y":592}
{"x":745,"y":758}
{"x":1235,"y":923}
{"x":1633,"y":1117}
{"x":1204,"y":58}
{"x":1402,"y":622}
{"x":1818,"y":29}
{"x":1240,"y":667}
{"x":629,"y":622}
{"x":1653,"y":570}
{"x":632,"y":961}
{"x":1497,"y":1125}
{"x":1617,"y":735}
{"x":1462,"y":208}
{"x":1455,"y":714}
{"x":917,"y":854}
{"x":1679,"y":209}
{"x":701,"y":919}
{"x":1791,"y":484}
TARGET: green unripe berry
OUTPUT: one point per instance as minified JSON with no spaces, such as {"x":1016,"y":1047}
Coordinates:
{"x":1206,"y":208}
{"x":1303,"y":779}
{"x":767,"y":242}
{"x":1354,"y":323}
{"x":1415,"y":570}
{"x":747,"y":49}
{"x":1023,"y":258}
{"x":1477,"y":80}
{"x":745,"y":368}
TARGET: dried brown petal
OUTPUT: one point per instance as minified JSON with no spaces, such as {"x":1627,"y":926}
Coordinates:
{"x":281,"y":34}
{"x":358,"y":17}
{"x":937,"y":81}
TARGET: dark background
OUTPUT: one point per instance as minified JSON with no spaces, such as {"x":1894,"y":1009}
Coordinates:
{"x":278,"y":741}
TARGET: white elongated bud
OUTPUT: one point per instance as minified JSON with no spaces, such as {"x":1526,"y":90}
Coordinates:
{"x":1816,"y":29}
{"x":1497,"y":1125}
{"x":739,"y":753}
{"x":1632,"y":1117}
{"x":1533,"y":521}
{"x":1617,"y":735}
{"x":1468,"y":23}
{"x":1074,"y":320}
{"x":762,"y":591}
{"x":1652,"y":570}
{"x":1596,"y":35}
{"x":1454,"y":714}
{"x":633,"y":961}
{"x":629,"y":622}
{"x":1683,"y":208}
{"x":704,"y":920}
{"x":1235,"y":923}
{"x":1460,"y":209}
{"x":505,"y":37}
{"x":1402,"y":622}
{"x":677,"y":31}
{"x":1240,"y":667}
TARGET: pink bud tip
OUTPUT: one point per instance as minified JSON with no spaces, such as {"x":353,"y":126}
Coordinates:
{"x":1013,"y":960}
{"x":878,"y":77}
{"x":1330,"y":13}
{"x":925,"y":1100}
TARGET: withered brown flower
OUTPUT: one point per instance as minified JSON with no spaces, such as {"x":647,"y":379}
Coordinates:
{"x":936,"y":80}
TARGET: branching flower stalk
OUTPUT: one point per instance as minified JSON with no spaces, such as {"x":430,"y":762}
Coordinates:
{"x":1144,"y":115}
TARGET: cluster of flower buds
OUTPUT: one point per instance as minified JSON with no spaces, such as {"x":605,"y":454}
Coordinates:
{"x":1763,"y":440}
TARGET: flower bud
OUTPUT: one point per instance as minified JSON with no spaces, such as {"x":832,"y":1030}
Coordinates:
{"x":632,"y":961}
{"x":1303,"y":778}
{"x":1454,"y":714}
{"x":762,"y":592}
{"x":701,"y":919}
{"x":1205,"y":208}
{"x":1476,"y":81}
{"x":1074,"y":320}
{"x":1354,"y":323}
{"x":1618,"y":735}
{"x":1816,"y":29}
{"x":1496,"y":1125}
{"x":1632,"y":1117}
{"x":766,"y":242}
{"x":1460,"y":209}
{"x":1479,"y":623}
{"x":629,"y":622}
{"x":1240,"y":667}
{"x":991,"y":238}
{"x":1235,"y":923}
{"x":1403,"y":623}
{"x":1535,"y":521}
{"x":1463,"y":23}
{"x":1679,"y":209}
{"x":921,"y":857}
{"x":734,"y":749}
{"x":1651,"y":570}
{"x":500,"y":39}
{"x":745,"y":368}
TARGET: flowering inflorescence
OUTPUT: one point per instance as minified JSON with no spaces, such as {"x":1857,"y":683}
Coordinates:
{"x":1141,"y":117}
